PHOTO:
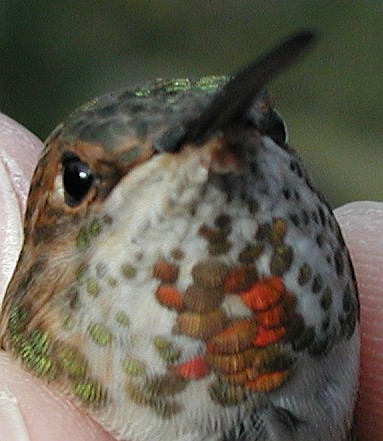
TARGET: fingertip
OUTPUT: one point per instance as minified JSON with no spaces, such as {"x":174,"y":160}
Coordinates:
{"x":19,"y":153}
{"x":19,"y":150}
{"x":362,"y":227}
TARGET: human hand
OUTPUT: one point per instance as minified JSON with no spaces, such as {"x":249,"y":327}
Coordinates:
{"x":28,"y":406}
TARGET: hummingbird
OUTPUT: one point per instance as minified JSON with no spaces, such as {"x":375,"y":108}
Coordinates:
{"x":182,"y":278}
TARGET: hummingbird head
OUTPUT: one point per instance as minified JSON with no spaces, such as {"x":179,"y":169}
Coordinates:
{"x":107,"y":139}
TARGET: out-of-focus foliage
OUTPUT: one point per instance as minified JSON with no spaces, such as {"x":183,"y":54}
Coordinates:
{"x":57,"y":54}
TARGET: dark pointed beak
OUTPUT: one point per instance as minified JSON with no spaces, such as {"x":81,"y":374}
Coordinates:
{"x":231,"y":104}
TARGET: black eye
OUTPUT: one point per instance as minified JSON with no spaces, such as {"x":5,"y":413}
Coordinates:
{"x":270,"y":123}
{"x":276,"y":128}
{"x":78,"y":179}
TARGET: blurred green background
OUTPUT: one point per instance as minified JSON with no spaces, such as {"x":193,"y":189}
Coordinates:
{"x":55,"y":55}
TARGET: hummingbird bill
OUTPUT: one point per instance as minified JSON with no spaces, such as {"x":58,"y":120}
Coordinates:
{"x":182,"y":278}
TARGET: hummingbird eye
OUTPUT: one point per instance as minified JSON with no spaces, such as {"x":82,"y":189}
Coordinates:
{"x":270,"y":123}
{"x":277,"y":129}
{"x":78,"y":179}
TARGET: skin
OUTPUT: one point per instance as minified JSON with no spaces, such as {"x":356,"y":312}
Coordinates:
{"x":48,"y":416}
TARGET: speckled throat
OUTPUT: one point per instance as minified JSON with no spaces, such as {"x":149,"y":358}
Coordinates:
{"x":181,"y":276}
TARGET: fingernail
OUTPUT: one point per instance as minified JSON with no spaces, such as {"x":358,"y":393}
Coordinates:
{"x":12,"y":423}
{"x":10,"y":228}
